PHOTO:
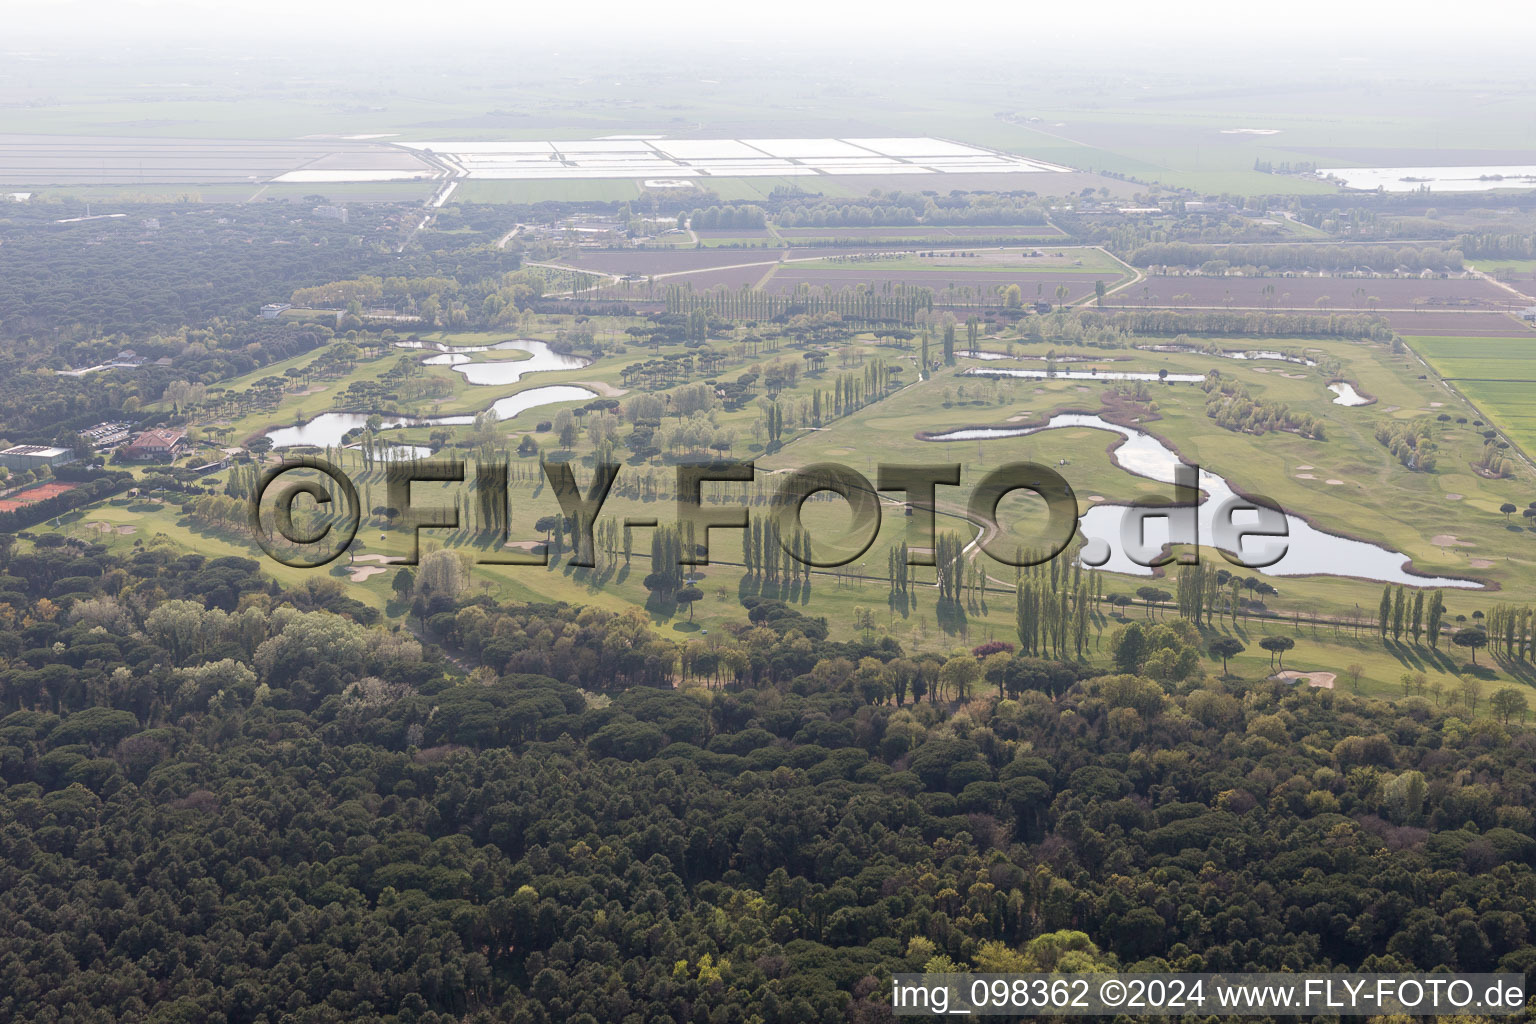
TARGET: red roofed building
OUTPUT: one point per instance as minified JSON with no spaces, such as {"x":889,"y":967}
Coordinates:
{"x":162,"y":443}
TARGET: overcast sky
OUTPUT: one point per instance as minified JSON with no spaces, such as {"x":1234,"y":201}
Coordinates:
{"x":1179,"y":24}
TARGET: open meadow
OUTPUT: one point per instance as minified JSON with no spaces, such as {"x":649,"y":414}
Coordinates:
{"x":1497,"y":374}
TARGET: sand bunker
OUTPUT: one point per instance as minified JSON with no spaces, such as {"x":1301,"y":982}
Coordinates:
{"x":361,"y":575}
{"x":1437,"y":405}
{"x":1305,"y":476}
{"x":1334,"y":483}
{"x":1480,"y":563}
{"x":382,"y":559}
{"x":1320,"y":680}
{"x":1306,"y":467}
{"x":1453,"y":497}
{"x":1447,"y":540}
{"x":1095,"y":497}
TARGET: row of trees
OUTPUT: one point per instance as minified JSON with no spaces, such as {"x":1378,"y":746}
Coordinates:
{"x":864,"y":306}
{"x":897,"y":209}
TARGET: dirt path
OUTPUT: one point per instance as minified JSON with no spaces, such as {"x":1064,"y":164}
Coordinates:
{"x":612,"y":279}
{"x":602,"y":387}
{"x":1500,"y":284}
{"x":784,"y":260}
{"x":729,"y":266}
{"x":1136,"y":278}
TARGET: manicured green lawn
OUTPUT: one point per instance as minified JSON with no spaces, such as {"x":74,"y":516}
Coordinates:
{"x":1492,"y":358}
{"x":1376,"y":500}
{"x":1509,"y":405}
{"x":1496,"y":374}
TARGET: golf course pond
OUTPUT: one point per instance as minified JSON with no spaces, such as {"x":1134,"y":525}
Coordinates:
{"x":1309,"y":551}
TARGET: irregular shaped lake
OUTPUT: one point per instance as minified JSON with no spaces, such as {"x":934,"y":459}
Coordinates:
{"x":330,"y":427}
{"x":1310,"y":552}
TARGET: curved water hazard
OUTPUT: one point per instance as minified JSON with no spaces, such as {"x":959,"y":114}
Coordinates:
{"x":1272,"y":355}
{"x":330,"y":427}
{"x":497,"y":372}
{"x":1310,"y":552}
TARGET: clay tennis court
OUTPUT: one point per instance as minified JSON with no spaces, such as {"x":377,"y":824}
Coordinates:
{"x":32,"y":495}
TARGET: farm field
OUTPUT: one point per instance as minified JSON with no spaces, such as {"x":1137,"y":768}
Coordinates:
{"x":1479,"y":357}
{"x":200,"y":193}
{"x":749,"y":189}
{"x":1498,"y":375}
{"x":1517,"y":274}
{"x":1520,"y":268}
{"x":1338,"y":293}
{"x":745,"y":276}
{"x":595,"y":190}
{"x":779,"y":271}
{"x":658,"y":262}
{"x":1074,"y":259}
{"x":127,"y":161}
{"x":935,"y":233}
{"x":1213,"y":146}
{"x":1508,"y":406}
{"x":759,"y":242}
{"x":1457,"y":324}
{"x":947,"y":285}
{"x":738,"y":237}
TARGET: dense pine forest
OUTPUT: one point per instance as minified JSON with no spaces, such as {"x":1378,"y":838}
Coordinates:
{"x":227,"y":802}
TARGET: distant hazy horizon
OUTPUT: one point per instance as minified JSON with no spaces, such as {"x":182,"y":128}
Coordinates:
{"x":1109,"y":30}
